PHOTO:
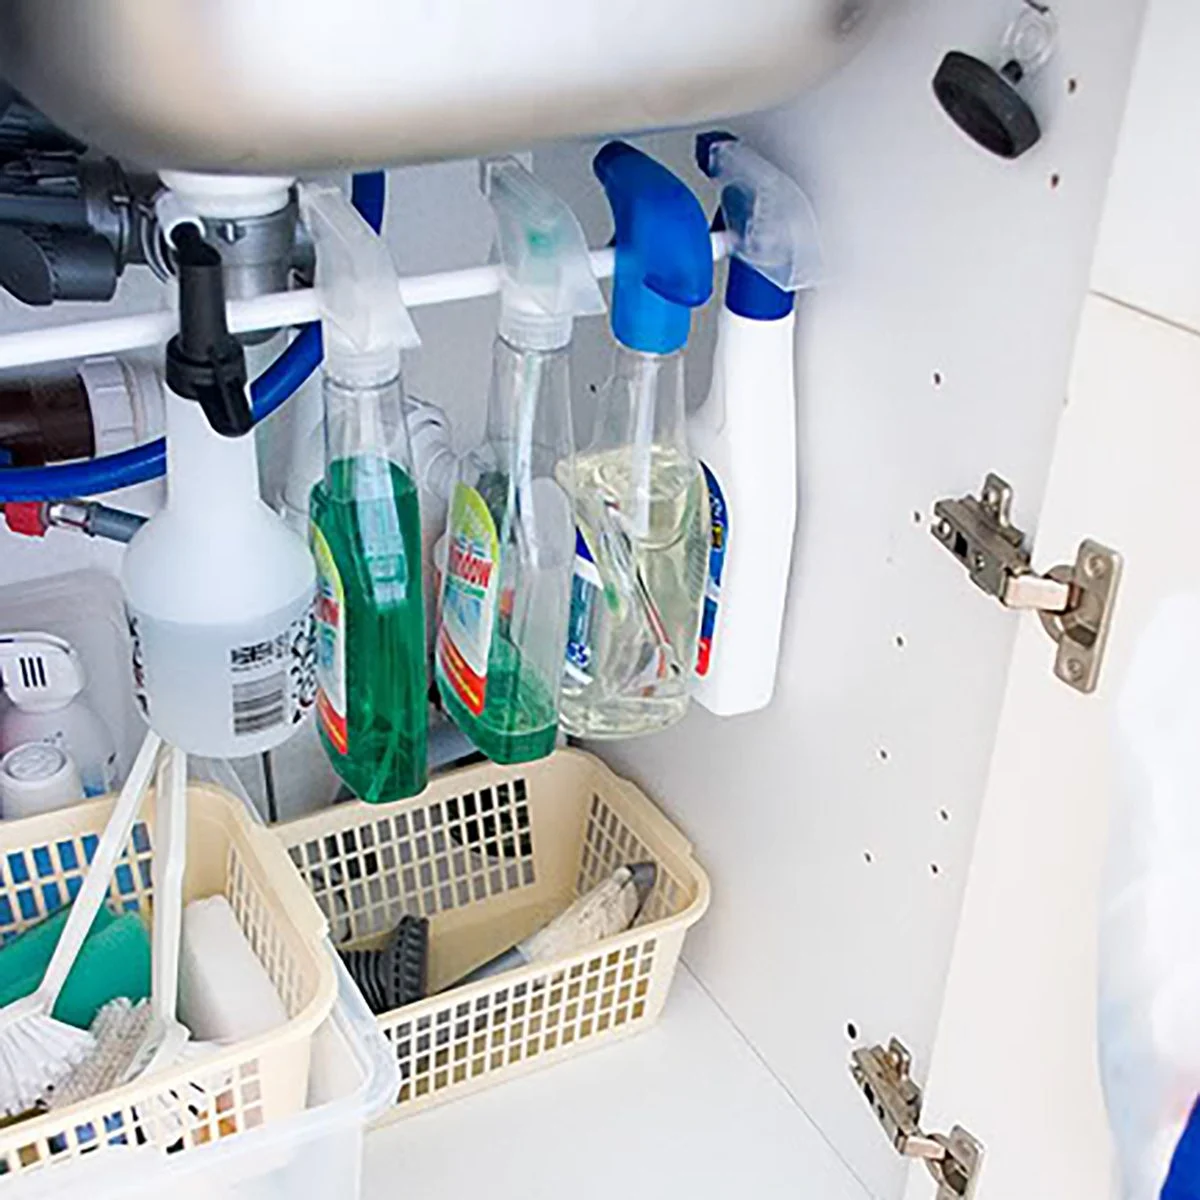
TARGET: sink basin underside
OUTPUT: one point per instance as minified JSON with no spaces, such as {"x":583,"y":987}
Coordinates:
{"x":227,"y":85}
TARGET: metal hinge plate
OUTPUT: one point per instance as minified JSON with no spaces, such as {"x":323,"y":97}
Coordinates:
{"x":884,"y":1077}
{"x":1075,"y":603}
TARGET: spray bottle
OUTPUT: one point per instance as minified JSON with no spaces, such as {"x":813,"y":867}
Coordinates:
{"x":218,"y":592}
{"x":365,"y":519}
{"x":511,"y":536}
{"x":641,"y":506}
{"x":745,"y":432}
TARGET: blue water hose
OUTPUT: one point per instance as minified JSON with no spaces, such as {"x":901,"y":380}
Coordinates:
{"x":139,"y":464}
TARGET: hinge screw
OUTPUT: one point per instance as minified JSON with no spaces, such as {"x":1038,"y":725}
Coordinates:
{"x":1096,"y":566}
{"x":1074,"y":669}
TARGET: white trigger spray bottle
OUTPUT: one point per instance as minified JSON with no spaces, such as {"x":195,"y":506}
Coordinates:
{"x":745,"y":432}
{"x":218,"y":592}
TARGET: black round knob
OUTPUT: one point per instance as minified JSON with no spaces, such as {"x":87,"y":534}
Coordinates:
{"x":985,"y":104}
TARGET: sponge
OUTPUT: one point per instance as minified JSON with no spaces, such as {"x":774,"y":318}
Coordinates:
{"x":114,"y":961}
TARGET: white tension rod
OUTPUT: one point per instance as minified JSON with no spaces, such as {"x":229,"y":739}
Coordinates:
{"x":114,"y":334}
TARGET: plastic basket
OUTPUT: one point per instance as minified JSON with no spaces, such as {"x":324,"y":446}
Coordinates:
{"x":242,"y":1087}
{"x":317,"y":1152}
{"x":488,"y":853}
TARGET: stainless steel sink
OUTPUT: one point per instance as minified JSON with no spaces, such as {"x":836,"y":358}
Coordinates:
{"x":292,"y":85}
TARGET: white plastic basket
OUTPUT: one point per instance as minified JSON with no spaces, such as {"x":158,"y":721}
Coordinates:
{"x":487,"y":853}
{"x":42,"y":862}
{"x":317,"y":1152}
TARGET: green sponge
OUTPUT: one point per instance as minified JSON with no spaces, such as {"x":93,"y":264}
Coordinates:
{"x":114,"y":961}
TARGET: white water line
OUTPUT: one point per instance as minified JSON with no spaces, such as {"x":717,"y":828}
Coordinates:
{"x":112,"y":335}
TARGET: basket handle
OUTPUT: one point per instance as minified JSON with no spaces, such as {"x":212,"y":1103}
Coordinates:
{"x":96,"y":883}
{"x":285,"y":879}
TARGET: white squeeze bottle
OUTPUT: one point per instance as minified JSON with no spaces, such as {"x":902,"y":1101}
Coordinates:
{"x":745,"y":432}
{"x":218,"y":591}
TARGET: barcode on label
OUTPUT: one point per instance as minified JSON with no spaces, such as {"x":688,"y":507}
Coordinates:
{"x":259,"y":704}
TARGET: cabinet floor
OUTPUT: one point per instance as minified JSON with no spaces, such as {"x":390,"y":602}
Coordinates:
{"x":685,"y":1109}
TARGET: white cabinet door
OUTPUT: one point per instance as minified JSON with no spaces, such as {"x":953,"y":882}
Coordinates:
{"x":1015,"y":1059}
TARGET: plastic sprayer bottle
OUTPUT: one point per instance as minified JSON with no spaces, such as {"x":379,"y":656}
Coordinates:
{"x":507,"y":586}
{"x":641,"y":504}
{"x":219,"y":593}
{"x":366,"y":522}
{"x":745,"y":432}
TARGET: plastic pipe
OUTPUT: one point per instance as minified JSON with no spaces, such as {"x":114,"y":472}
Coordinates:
{"x":117,"y":334}
{"x":149,"y":461}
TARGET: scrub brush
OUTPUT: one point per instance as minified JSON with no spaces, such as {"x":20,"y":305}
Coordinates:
{"x":611,"y":907}
{"x":36,"y":1051}
{"x":118,"y":1030}
{"x":396,"y":975}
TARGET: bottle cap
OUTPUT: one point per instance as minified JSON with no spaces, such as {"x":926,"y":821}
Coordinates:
{"x":663,"y":250}
{"x":38,"y":671}
{"x":37,"y":777}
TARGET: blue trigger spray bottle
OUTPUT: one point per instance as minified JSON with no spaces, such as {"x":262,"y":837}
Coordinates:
{"x":641,"y":501}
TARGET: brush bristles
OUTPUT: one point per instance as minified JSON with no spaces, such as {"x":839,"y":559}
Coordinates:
{"x":36,"y":1052}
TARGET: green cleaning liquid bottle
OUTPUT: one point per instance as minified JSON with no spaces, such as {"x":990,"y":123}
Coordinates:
{"x":507,"y":585}
{"x":641,"y":502}
{"x":365,"y":529}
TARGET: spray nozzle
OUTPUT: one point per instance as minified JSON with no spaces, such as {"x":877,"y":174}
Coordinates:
{"x":205,"y":362}
{"x":772,"y":221}
{"x":364,"y":323}
{"x":548,"y":278}
{"x":664,"y":254}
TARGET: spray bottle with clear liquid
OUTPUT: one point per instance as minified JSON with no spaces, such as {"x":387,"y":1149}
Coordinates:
{"x":641,"y":503}
{"x":365,"y":528}
{"x":507,"y":585}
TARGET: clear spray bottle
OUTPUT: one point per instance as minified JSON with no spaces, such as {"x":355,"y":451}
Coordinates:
{"x":641,"y":504}
{"x":365,"y":529}
{"x":507,"y":584}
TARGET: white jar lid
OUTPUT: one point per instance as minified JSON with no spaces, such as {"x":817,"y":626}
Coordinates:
{"x":37,"y":777}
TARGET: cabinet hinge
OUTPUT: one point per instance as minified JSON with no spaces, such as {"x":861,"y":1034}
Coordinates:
{"x":884,"y":1077}
{"x":1075,"y":603}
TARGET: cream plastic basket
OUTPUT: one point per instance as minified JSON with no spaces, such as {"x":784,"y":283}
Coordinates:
{"x":488,"y":853}
{"x":42,"y":863}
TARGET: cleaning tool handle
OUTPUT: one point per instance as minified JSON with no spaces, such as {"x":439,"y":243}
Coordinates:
{"x":170,"y":858}
{"x":99,"y":876}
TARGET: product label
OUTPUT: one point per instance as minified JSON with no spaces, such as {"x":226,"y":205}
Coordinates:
{"x":211,"y":690}
{"x":272,"y":680}
{"x":330,"y":643}
{"x":469,"y":598}
{"x":586,"y":598}
{"x":718,"y":547}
